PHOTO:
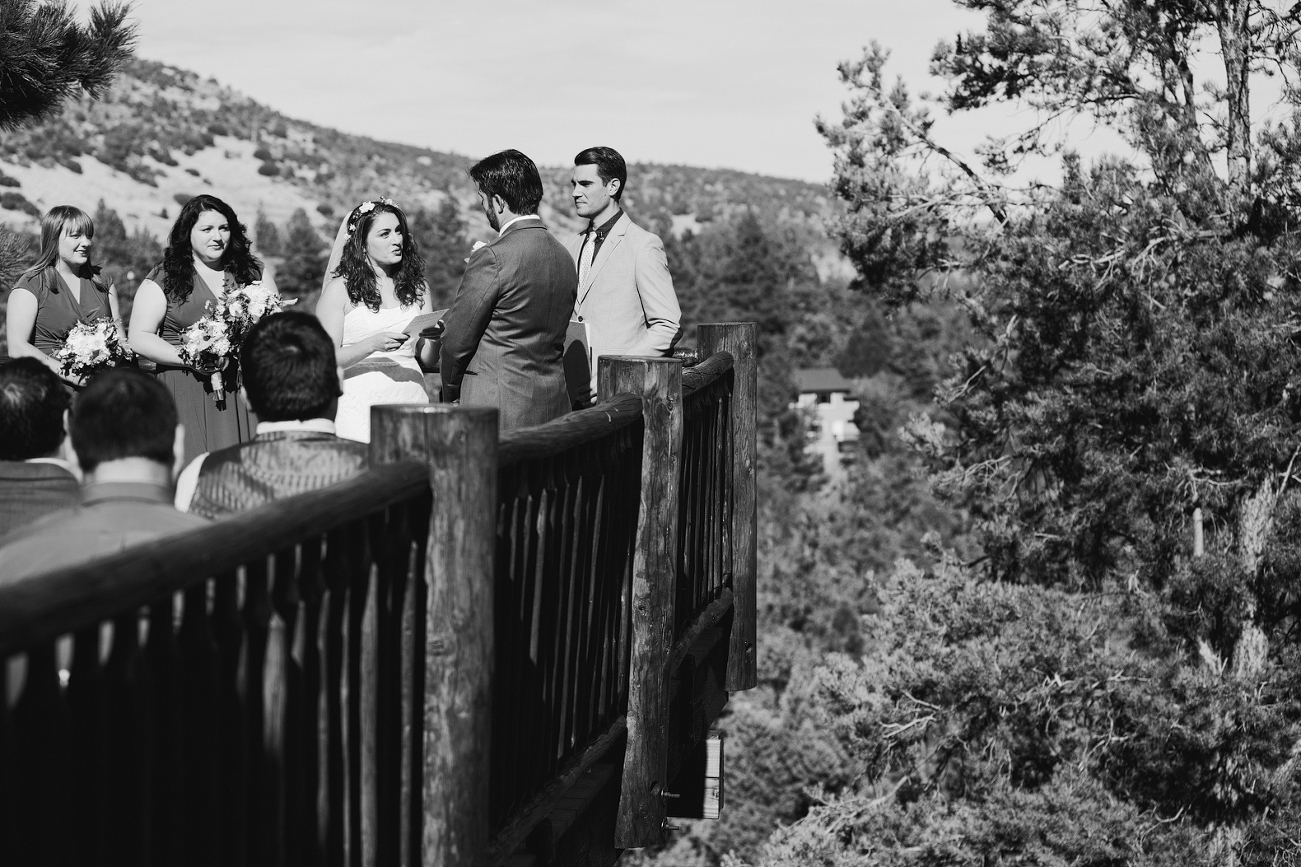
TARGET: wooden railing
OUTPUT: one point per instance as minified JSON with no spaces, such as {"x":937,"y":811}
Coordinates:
{"x":415,"y":666}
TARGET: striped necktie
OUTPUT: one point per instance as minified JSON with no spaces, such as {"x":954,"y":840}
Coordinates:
{"x":586,"y":256}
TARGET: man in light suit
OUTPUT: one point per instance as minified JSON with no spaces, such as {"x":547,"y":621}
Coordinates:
{"x":625,"y":292}
{"x":505,"y":331}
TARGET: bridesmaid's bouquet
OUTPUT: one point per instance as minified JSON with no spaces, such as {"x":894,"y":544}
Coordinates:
{"x":247,"y":304}
{"x":90,"y":347}
{"x":205,"y":343}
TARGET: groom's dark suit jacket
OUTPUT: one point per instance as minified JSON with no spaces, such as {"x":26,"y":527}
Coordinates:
{"x":504,"y":341}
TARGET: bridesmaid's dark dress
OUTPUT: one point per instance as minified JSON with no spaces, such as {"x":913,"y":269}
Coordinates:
{"x":57,"y":312}
{"x":209,"y":425}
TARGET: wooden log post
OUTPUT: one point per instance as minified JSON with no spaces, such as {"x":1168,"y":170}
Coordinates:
{"x":741,"y":340}
{"x":642,"y":813}
{"x":459,"y":444}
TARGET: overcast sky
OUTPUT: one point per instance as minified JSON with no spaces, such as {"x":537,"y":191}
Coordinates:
{"x":720,"y":83}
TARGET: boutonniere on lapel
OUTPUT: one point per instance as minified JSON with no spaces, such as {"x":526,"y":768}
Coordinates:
{"x":477,"y":245}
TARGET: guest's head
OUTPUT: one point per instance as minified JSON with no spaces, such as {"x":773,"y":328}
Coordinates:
{"x":508,"y":182}
{"x":380,"y":241}
{"x":67,"y":236}
{"x":124,"y":427}
{"x":208,"y":230}
{"x":290,"y":373}
{"x":598,"y":179}
{"x":32,"y":404}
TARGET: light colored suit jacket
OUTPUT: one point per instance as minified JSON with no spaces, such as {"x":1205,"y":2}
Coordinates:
{"x":505,"y":332}
{"x":628,"y":300}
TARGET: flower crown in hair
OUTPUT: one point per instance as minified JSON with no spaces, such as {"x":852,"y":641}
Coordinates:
{"x":365,"y":208}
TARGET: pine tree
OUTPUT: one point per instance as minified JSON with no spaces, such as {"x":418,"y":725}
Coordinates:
{"x":267,"y":236}
{"x":46,"y":56}
{"x":124,"y":258}
{"x":441,"y":237}
{"x":304,"y":253}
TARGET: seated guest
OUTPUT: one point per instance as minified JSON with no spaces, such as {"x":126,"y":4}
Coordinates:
{"x":34,"y":478}
{"x":292,"y":383}
{"x":126,"y":438}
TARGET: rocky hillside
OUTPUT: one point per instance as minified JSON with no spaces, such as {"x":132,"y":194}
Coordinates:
{"x":163,"y":134}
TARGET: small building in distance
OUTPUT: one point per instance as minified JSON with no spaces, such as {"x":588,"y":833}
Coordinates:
{"x":825,"y":391}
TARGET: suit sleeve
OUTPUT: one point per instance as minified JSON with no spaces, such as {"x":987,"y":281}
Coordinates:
{"x":467,"y":319}
{"x":658,"y":300}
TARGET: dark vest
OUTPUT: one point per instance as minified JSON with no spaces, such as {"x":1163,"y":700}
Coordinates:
{"x":272,"y":467}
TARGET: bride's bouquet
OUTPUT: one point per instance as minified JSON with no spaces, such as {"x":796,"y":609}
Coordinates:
{"x":91,"y":346}
{"x":247,"y":304}
{"x":206,"y":343}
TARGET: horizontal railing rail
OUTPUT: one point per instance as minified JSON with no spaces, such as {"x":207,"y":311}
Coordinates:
{"x":68,"y":598}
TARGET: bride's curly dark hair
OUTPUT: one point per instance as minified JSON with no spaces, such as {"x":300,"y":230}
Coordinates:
{"x":359,"y":275}
{"x":178,"y":258}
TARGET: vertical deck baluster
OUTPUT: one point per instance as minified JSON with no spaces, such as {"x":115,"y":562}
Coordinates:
{"x":256,"y":612}
{"x":613,"y":569}
{"x":739,"y":338}
{"x":281,"y":684}
{"x":356,"y":584}
{"x":129,"y":731}
{"x":593,"y":649}
{"x":41,"y":725}
{"x":539,"y":629}
{"x":232,"y":760}
{"x":572,"y":575}
{"x":306,"y":817}
{"x":630,"y":469}
{"x":712,"y":451}
{"x":200,"y":781}
{"x":166,"y":676}
{"x":391,"y":535}
{"x":331,"y":637}
{"x":416,"y":517}
{"x":85,"y":703}
{"x":688,"y":574}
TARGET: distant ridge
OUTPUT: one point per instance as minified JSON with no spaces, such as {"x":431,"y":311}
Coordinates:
{"x":162,"y":134}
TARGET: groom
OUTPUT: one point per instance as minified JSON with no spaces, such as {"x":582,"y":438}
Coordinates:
{"x":505,"y":331}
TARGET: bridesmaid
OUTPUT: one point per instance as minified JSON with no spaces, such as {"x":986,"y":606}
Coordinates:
{"x":62,"y":290}
{"x":207,"y":254}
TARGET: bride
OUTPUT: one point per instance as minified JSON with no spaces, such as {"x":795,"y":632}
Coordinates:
{"x":375,"y":287}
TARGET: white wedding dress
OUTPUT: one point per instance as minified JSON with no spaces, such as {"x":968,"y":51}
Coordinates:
{"x":381,"y":377}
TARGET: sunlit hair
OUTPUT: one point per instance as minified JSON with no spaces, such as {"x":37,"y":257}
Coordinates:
{"x":178,"y":258}
{"x":609,"y":166}
{"x":511,"y":175}
{"x":359,"y":274}
{"x":56,"y":221}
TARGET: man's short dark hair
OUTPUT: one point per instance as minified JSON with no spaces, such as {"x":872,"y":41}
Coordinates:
{"x":511,"y":175}
{"x":123,"y":414}
{"x":289,"y":368}
{"x":609,"y":166}
{"x":32,"y":401}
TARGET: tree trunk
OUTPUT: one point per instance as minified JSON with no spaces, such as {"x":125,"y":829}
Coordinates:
{"x":1232,"y":23}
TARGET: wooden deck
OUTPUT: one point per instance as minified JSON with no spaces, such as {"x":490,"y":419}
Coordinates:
{"x":481,"y":651}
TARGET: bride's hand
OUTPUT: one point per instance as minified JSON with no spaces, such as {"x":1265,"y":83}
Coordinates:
{"x":388,"y":341}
